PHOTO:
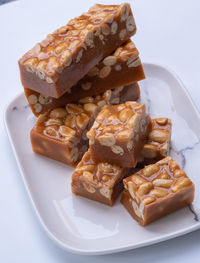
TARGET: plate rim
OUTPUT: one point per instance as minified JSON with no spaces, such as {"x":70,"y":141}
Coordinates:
{"x":118,"y":249}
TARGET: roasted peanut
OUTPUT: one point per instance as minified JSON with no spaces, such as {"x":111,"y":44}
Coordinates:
{"x":86,"y":86}
{"x":74,"y":109}
{"x":58,"y":113}
{"x":150,"y":170}
{"x":51,"y":131}
{"x":130,"y":23}
{"x":143,"y":126}
{"x":149,"y":151}
{"x":114,"y":28}
{"x":179,"y":173}
{"x":136,"y":209}
{"x":88,"y":176}
{"x":159,"y":192}
{"x":122,"y":34}
{"x":106,"y":29}
{"x":125,"y":114}
{"x":163,"y":175}
{"x":132,"y":58}
{"x":105,"y":178}
{"x":131,"y":189}
{"x":138,"y":180}
{"x":145,"y":188}
{"x":148,"y":200}
{"x":180,"y":184}
{"x":32,"y":99}
{"x":86,"y":100}
{"x":41,"y":119}
{"x":66,"y":58}
{"x":70,"y":121}
{"x":74,"y":154}
{"x":132,"y":121}
{"x":44,"y":99}
{"x":173,"y":166}
{"x":124,"y":12}
{"x":87,"y":167}
{"x":106,"y":139}
{"x":164,"y":149}
{"x":53,"y":121}
{"x":117,"y":149}
{"x":135,"y":63}
{"x":107,"y":193}
{"x":106,"y":168}
{"x":160,"y":136}
{"x":104,"y":72}
{"x":37,"y":107}
{"x":40,"y":71}
{"x":166,"y":161}
{"x":88,"y":187}
{"x":90,"y":107}
{"x":166,"y":183}
{"x":162,"y":121}
{"x":109,"y":61}
{"x":30,"y":64}
{"x":93,"y":72}
{"x":124,"y":135}
{"x":66,"y":131}
{"x":82,"y":120}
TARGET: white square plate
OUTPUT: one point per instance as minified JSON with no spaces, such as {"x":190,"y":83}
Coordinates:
{"x":86,"y":227}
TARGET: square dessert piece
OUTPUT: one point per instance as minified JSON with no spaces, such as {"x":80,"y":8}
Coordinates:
{"x":158,"y":142}
{"x":57,"y":63}
{"x":60,"y":133}
{"x":100,"y":182}
{"x":118,"y":134}
{"x":156,"y":191}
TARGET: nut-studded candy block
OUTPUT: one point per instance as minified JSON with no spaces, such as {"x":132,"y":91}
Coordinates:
{"x":157,"y":190}
{"x":121,"y":68}
{"x":57,"y":63}
{"x":60,"y":134}
{"x":158,"y":142}
{"x":118,"y":134}
{"x":100,"y":182}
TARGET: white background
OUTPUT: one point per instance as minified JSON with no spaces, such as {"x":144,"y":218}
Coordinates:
{"x":168,"y":33}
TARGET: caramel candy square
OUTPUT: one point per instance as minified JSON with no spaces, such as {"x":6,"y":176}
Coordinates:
{"x":118,"y":134}
{"x":101,"y":182}
{"x":156,"y":191}
{"x":121,"y":68}
{"x":158,"y":142}
{"x":60,"y":134}
{"x":57,"y":63}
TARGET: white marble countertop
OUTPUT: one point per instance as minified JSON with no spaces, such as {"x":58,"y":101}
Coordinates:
{"x":168,"y":33}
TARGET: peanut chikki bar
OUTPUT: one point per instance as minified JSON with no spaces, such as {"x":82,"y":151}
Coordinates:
{"x":158,"y":142}
{"x":118,"y":134}
{"x":100,"y":182}
{"x":157,"y":190}
{"x":60,"y":134}
{"x":57,"y":63}
{"x":121,"y":68}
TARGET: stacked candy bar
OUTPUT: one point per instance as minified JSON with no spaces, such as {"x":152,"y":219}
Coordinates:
{"x":74,"y":72}
{"x":121,"y":137}
{"x":81,"y":83}
{"x":60,"y":133}
{"x":116,"y":140}
{"x":57,"y":63}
